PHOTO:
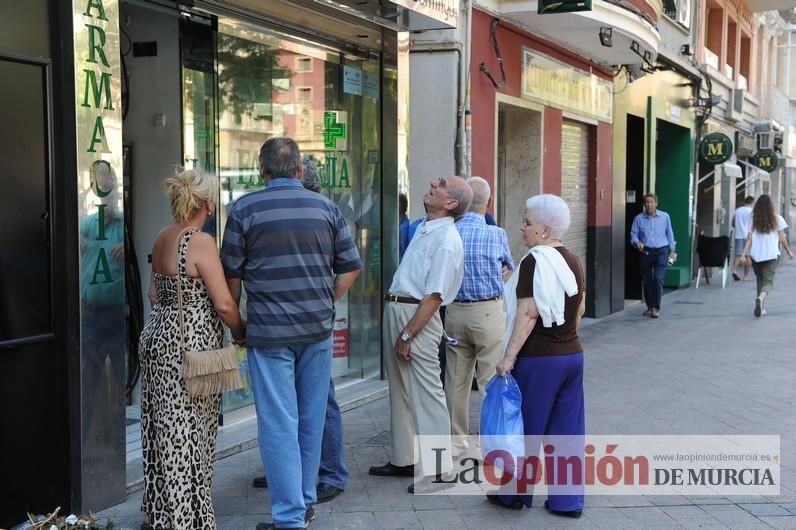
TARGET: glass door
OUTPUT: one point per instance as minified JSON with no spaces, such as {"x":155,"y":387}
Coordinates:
{"x":273,"y":84}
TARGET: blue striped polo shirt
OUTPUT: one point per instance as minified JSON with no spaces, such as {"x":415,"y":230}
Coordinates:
{"x":287,"y":244}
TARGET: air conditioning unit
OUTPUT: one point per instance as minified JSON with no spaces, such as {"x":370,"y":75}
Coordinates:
{"x":684,"y":13}
{"x":764,"y":140}
{"x":735,"y":105}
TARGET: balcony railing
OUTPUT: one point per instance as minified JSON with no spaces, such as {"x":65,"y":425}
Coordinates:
{"x":711,"y":59}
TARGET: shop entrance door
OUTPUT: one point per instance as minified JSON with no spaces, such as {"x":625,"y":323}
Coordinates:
{"x":634,"y":205}
{"x":39,"y":326}
{"x":518,"y":168}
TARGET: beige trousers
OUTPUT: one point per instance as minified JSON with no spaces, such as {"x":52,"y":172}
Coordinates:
{"x":417,"y":401}
{"x":479,"y":329}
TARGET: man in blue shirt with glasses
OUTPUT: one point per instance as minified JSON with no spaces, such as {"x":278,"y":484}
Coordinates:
{"x":652,"y":235}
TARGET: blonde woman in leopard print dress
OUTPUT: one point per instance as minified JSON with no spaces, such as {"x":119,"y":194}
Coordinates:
{"x":178,"y":434}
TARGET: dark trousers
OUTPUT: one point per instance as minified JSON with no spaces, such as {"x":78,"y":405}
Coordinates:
{"x":653,"y":269}
{"x":552,"y":404}
{"x":333,"y":470}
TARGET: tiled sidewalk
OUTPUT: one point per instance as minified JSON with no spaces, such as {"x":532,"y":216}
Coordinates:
{"x":705,"y":367}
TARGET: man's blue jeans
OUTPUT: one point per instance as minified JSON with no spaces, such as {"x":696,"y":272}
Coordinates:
{"x":333,"y":469}
{"x":290,"y":385}
{"x":653,"y":269}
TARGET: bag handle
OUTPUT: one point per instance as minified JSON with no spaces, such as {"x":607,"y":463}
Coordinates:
{"x":179,"y":286}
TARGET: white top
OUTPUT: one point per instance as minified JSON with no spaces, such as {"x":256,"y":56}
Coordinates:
{"x":433,"y":262}
{"x":553,"y":281}
{"x":743,"y":222}
{"x":766,"y":246}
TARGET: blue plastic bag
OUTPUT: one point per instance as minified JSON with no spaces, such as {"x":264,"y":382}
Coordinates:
{"x":501,"y":419}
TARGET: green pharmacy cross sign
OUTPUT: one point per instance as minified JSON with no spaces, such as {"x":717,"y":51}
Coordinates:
{"x":765,"y":159}
{"x":332,"y":130}
{"x":715,"y":148}
{"x":562,"y":6}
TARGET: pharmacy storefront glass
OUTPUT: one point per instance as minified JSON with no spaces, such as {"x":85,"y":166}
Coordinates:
{"x":272,"y":85}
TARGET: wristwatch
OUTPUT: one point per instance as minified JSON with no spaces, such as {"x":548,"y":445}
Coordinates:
{"x":405,"y":336}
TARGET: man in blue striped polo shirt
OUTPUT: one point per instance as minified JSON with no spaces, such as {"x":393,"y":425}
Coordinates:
{"x":294,"y":252}
{"x":652,"y":235}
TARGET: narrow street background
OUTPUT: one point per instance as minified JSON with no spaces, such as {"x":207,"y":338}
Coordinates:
{"x":707,"y":366}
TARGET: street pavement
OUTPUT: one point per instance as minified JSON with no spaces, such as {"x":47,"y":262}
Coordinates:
{"x":706,"y":366}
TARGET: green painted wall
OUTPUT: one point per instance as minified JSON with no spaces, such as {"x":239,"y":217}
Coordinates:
{"x":673,"y":166}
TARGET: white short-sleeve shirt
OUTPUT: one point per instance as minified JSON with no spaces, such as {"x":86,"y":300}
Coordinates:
{"x":765,"y":247}
{"x":743,"y":222}
{"x":433,"y":262}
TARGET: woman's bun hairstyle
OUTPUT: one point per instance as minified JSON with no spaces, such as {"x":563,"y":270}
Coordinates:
{"x":188,"y":192}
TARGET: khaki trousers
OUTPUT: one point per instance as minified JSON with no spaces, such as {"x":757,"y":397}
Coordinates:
{"x":479,"y":329}
{"x":417,"y":401}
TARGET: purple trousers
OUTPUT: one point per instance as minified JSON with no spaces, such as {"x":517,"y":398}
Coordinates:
{"x":552,"y":404}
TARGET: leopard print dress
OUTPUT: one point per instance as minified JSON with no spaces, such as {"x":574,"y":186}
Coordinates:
{"x":178,"y":434}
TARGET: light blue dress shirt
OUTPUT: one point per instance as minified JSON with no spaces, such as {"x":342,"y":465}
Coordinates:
{"x":654,"y":231}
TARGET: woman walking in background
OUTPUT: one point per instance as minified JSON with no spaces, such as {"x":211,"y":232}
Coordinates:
{"x":762,"y":245}
{"x":178,"y":433}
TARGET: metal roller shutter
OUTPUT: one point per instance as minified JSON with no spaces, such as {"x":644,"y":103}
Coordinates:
{"x":574,"y":184}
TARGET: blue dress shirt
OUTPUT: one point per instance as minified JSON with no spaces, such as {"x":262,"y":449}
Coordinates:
{"x":654,"y":231}
{"x":486,"y":250}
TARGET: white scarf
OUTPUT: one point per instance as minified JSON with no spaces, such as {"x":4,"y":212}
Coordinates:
{"x":552,"y":280}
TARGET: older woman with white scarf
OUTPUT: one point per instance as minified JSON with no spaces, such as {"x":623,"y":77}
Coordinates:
{"x":545,"y":302}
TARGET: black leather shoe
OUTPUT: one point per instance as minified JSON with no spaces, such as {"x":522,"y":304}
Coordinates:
{"x":327,"y":492}
{"x":260,"y":482}
{"x":391,"y":470}
{"x":495,"y":499}
{"x":429,"y":485}
{"x":574,"y":514}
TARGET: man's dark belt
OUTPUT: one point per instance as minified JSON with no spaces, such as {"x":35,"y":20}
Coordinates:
{"x":401,"y":299}
{"x":477,"y":301}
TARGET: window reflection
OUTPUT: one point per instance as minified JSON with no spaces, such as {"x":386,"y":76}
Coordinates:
{"x":271,"y":85}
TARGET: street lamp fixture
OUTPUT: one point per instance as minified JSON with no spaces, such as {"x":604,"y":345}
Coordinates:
{"x":606,"y":36}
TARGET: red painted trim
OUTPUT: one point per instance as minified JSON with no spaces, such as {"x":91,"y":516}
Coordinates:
{"x":592,"y":180}
{"x":600,"y":177}
{"x":642,"y":6}
{"x":483,"y":101}
{"x":510,"y":33}
{"x":551,"y":165}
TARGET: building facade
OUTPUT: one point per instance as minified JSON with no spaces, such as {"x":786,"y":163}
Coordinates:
{"x":742,"y":47}
{"x":526,"y":100}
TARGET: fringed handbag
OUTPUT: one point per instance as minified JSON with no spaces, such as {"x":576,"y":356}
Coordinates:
{"x":207,"y":372}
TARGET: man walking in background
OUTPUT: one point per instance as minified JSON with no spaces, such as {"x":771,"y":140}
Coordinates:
{"x":429,"y":276}
{"x":476,"y":318}
{"x":742,"y":222}
{"x":652,"y":235}
{"x":292,"y":248}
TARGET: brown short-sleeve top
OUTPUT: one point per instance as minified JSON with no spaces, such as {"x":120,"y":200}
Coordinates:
{"x":556,"y":340}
